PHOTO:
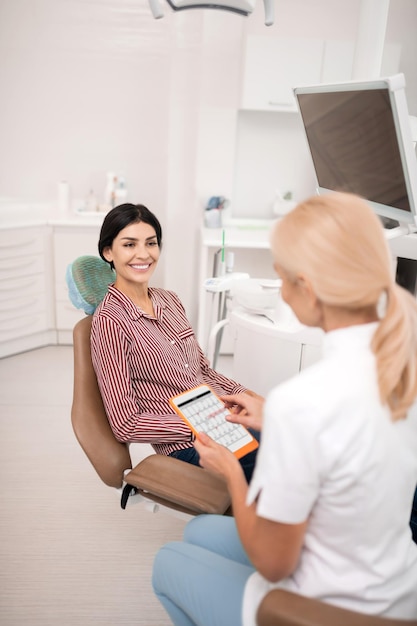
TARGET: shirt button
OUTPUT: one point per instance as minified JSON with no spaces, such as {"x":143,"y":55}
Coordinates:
{"x":172,"y":342}
{"x":186,"y":365}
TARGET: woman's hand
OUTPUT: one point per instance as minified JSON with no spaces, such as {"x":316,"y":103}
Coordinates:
{"x":245,"y":409}
{"x":215,"y":457}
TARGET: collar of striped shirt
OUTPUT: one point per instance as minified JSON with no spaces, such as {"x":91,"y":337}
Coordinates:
{"x":132,"y":309}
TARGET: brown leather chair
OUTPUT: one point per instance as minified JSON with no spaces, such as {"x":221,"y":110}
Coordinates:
{"x":284,"y":608}
{"x":165,"y":480}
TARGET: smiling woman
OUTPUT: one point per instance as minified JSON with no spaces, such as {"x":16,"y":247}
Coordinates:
{"x":134,"y":255}
{"x":143,"y":348}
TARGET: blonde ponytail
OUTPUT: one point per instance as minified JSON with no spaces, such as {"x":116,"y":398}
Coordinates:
{"x":338,"y":243}
{"x":395,"y":347}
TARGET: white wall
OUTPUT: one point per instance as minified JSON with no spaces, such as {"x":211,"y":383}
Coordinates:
{"x":95,"y":85}
{"x":84,"y":89}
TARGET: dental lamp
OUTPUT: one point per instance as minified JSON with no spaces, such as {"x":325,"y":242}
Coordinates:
{"x":241,"y":7}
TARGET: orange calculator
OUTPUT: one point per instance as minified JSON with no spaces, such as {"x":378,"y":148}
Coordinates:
{"x":204,"y":412}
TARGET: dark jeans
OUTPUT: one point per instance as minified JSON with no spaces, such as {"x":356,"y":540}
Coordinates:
{"x":413,"y":520}
{"x":190,"y":455}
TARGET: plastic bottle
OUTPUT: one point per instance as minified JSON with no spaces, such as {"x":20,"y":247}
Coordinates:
{"x":110,"y":191}
{"x":63,"y":196}
{"x":120,"y":191}
{"x":91,"y":203}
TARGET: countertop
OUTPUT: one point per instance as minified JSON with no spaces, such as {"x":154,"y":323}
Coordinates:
{"x":16,"y":213}
{"x":240,"y":233}
{"x":275,"y":323}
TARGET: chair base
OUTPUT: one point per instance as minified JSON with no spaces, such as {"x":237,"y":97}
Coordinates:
{"x":177,"y":485}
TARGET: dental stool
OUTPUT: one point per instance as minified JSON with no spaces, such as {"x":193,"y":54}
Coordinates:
{"x":284,"y":608}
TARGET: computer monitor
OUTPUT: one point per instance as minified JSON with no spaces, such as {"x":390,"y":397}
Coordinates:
{"x":360,"y":141}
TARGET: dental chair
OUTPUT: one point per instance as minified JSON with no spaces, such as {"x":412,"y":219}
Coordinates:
{"x":158,"y":479}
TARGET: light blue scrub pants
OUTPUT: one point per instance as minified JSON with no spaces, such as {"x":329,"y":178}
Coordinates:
{"x":200,"y":581}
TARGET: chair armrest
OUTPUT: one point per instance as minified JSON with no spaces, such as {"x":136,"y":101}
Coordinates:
{"x":284,"y":608}
{"x":179,"y":485}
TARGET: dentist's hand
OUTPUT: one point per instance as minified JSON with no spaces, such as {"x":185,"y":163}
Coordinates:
{"x":245,"y":409}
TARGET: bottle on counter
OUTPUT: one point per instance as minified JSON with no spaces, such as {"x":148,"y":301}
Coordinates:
{"x":63,"y":197}
{"x":110,"y":192}
{"x":91,"y":203}
{"x":120,"y":191}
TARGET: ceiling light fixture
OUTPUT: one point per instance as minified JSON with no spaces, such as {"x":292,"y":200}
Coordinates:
{"x":241,"y":7}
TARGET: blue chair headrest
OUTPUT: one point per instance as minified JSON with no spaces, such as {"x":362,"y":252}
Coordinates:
{"x":88,"y":278}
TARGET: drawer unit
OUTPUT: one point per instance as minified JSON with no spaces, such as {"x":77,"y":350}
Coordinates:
{"x":19,"y":327}
{"x":20,"y":242}
{"x":21,"y":296}
{"x":29,"y":265}
{"x":26,"y":296}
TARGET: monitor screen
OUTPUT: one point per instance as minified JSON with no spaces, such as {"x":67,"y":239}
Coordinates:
{"x":359,"y":138}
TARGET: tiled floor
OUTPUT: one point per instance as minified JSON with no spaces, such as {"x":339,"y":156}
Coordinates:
{"x":69,"y":554}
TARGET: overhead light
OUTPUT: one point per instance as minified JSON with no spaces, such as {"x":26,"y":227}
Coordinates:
{"x":241,"y":7}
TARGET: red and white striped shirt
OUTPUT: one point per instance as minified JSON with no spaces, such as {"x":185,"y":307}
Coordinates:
{"x":142,"y":361}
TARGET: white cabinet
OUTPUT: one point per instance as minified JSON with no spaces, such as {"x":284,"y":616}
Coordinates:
{"x":266,"y":354}
{"x":35,"y":309}
{"x":26,"y":297}
{"x":273,"y":66}
{"x":338,"y":60}
{"x":70,"y":242}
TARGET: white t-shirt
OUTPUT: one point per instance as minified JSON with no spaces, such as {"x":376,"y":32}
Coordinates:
{"x":331,"y":453}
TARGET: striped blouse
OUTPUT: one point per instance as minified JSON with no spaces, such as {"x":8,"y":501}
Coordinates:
{"x":142,"y":361}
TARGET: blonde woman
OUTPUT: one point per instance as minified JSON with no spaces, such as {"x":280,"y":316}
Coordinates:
{"x":328,"y":509}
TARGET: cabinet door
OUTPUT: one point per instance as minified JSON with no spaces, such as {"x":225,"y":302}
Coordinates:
{"x":338,"y":60}
{"x":26,"y":307}
{"x":274,"y":66}
{"x":262,"y":361}
{"x":23,"y":307}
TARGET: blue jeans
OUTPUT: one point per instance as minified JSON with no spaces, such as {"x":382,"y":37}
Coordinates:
{"x":201,"y":580}
{"x":190,"y":455}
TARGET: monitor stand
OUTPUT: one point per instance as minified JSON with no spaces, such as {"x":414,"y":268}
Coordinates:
{"x":402,"y":240}
{"x":393,"y":228}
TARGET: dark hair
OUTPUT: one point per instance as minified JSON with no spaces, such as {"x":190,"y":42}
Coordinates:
{"x":121,"y":216}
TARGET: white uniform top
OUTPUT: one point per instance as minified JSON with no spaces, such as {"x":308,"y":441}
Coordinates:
{"x":331,"y":453}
